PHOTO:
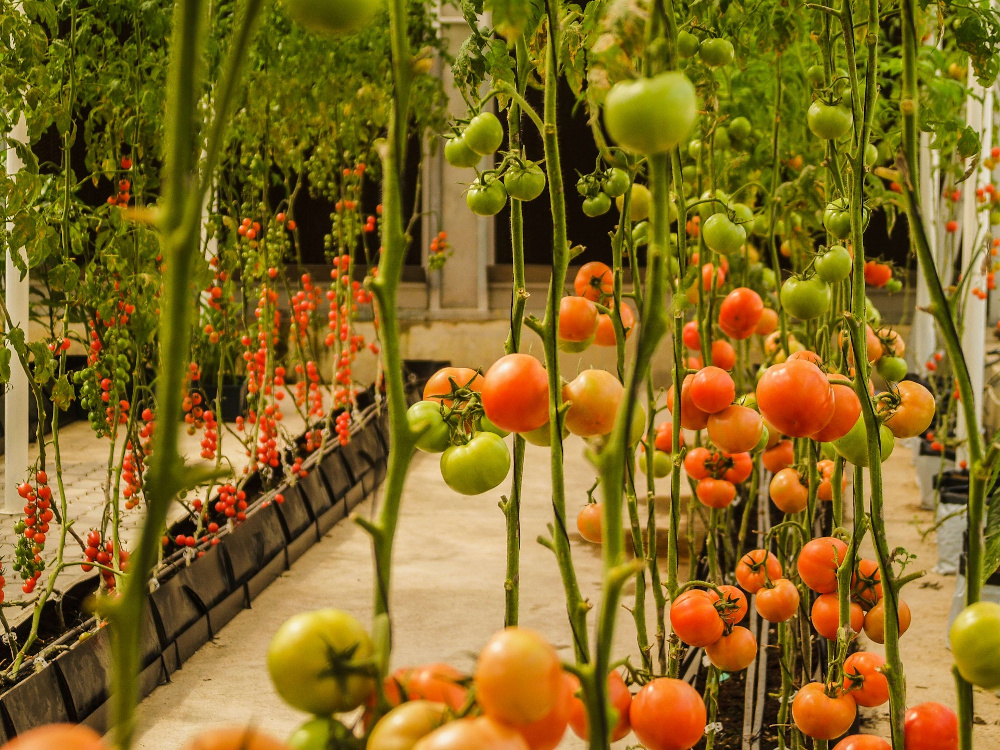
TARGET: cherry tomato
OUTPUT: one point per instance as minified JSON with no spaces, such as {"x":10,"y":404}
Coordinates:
{"x":915,"y":411}
{"x":781,"y":456}
{"x":712,"y":389}
{"x":524,"y":183}
{"x":425,"y":420}
{"x":806,"y":299}
{"x":715,"y":493}
{"x":605,"y":334}
{"x":439,"y":384}
{"x":458,"y":154}
{"x":436,"y":682}
{"x":548,"y":731}
{"x":722,"y":235}
{"x":835,"y":264}
{"x":486,"y":195}
{"x":846,"y":410}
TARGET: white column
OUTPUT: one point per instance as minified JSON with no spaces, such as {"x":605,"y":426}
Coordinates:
{"x":15,"y":430}
{"x":975,"y":226}
{"x":922,"y":336}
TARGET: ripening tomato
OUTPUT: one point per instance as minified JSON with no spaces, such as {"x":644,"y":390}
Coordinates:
{"x":864,"y":680}
{"x":715,"y":493}
{"x":822,"y":716}
{"x":439,"y":384}
{"x":518,"y":677}
{"x":875,"y":620}
{"x":768,"y":322}
{"x":548,"y":731}
{"x":846,"y":410}
{"x":668,"y":714}
{"x":863,"y":742}
{"x":515,"y":393}
{"x":695,"y":460}
{"x":436,"y":682}
{"x":788,"y":492}
{"x":741,"y":469}
{"x":593,"y":281}
{"x":781,"y":456}
{"x":975,"y":644}
{"x":577,"y":323}
{"x":619,"y":698}
{"x":695,"y":619}
{"x":866,"y":586}
{"x":405,"y":725}
{"x":482,"y":733}
{"x":51,"y":736}
{"x":723,"y":354}
{"x":778,"y":602}
{"x":588,"y":522}
{"x":301,"y":669}
{"x":818,"y":562}
{"x":664,"y":439}
{"x":734,"y":652}
{"x":712,"y":389}
{"x":732,"y":606}
{"x":740,"y":313}
{"x":735,"y":429}
{"x":808,"y":356}
{"x":826,"y":616}
{"x":796,"y":398}
{"x":605,"y":335}
{"x":915,"y":411}
{"x":595,"y":396}
{"x":692,"y":418}
{"x":930,"y":726}
{"x":755,"y":568}
{"x":877,"y":274}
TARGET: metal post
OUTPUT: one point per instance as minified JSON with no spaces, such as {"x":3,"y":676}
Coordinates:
{"x":16,"y":398}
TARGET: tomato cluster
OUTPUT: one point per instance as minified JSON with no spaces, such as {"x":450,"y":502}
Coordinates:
{"x":31,"y":530}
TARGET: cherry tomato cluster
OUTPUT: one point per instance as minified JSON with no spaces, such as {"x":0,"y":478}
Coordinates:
{"x":102,"y":552}
{"x":31,"y":530}
{"x":440,"y":251}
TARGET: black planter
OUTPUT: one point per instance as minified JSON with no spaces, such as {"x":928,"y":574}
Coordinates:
{"x":86,"y":670}
{"x":36,"y":700}
{"x":258,"y":541}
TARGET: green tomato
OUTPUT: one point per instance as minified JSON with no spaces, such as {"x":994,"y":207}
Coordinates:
{"x":768,"y":279}
{"x":640,"y":233}
{"x":828,"y":451}
{"x":834,"y":265}
{"x":762,"y":224}
{"x":765,"y":436}
{"x":485,"y":425}
{"x":639,"y":205}
{"x":739,"y":128}
{"x":690,"y":174}
{"x":587,"y":185}
{"x":854,"y":445}
{"x":871,"y":155}
{"x":721,"y":138}
{"x":816,"y":76}
{"x":484,"y":133}
{"x":806,"y":298}
{"x":458,"y":154}
{"x":303,"y":670}
{"x":892,"y":369}
{"x":716,"y":52}
{"x":597,"y":205}
{"x":486,"y":198}
{"x":872,"y":313}
{"x":317,"y":734}
{"x":687,"y":44}
{"x":694,"y":148}
{"x":477,"y":466}
{"x":743,"y":215}
{"x":893,"y":285}
{"x":837,"y":219}
{"x":661,"y":463}
{"x":524,"y":184}
{"x":541,"y":436}
{"x":332,"y":16}
{"x":829,"y":121}
{"x":426,"y":420}
{"x":637,"y":429}
{"x":722,"y":235}
{"x":651,"y":115}
{"x":616,"y":182}
{"x":975,"y":644}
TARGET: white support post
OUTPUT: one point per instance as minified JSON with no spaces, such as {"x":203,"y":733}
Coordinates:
{"x":16,"y":291}
{"x":975,"y":226}
{"x":922,"y":336}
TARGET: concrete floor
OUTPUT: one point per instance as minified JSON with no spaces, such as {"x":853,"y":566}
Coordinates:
{"x":448,"y":599}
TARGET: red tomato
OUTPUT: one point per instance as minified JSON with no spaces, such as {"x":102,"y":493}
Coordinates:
{"x":931,"y":726}
{"x":515,"y":393}
{"x":818,"y":562}
{"x":695,"y":619}
{"x":808,"y":356}
{"x":664,"y":440}
{"x":548,"y":731}
{"x":863,"y":742}
{"x":846,"y":410}
{"x":518,"y":677}
{"x":690,"y":335}
{"x":821,"y":716}
{"x":733,"y":605}
{"x":438,"y":682}
{"x":577,"y":323}
{"x":595,"y":396}
{"x":735,"y":429}
{"x":755,"y":568}
{"x":788,"y":492}
{"x":668,"y":714}
{"x":741,"y":469}
{"x":734,"y":652}
{"x":588,"y":523}
{"x":796,"y":398}
{"x":781,"y":456}
{"x":439,"y":383}
{"x":740,"y":313}
{"x":620,"y":699}
{"x":692,"y":418}
{"x":778,"y":602}
{"x":715,"y":493}
{"x":866,"y":584}
{"x":768,"y":322}
{"x":864,"y":680}
{"x":51,"y":736}
{"x":826,"y":616}
{"x":593,"y":281}
{"x":605,"y":335}
{"x":877,"y":274}
{"x":694,"y":462}
{"x":723,"y":354}
{"x":483,"y":733}
{"x":712,"y":389}
{"x":229,"y":738}
{"x":875,"y":621}
{"x":914,"y":413}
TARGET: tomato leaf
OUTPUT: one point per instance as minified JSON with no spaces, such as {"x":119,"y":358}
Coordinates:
{"x":4,"y":365}
{"x":63,"y":393}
